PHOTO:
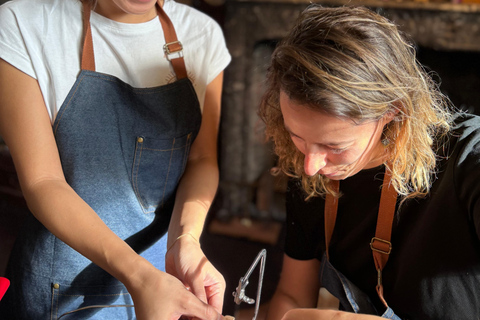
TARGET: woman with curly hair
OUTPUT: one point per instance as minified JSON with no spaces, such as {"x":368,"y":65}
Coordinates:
{"x":382,"y":169}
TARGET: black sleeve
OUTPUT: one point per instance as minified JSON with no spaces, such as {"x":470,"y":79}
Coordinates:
{"x":305,"y":226}
{"x":467,"y":169}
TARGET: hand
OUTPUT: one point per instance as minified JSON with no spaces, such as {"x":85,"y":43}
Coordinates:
{"x":317,"y":314}
{"x":186,"y":261}
{"x":160,"y":296}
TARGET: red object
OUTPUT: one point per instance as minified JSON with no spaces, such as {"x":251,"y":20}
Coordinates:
{"x":4,"y":284}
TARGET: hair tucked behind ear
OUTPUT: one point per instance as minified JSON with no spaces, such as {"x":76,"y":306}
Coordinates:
{"x":353,"y":63}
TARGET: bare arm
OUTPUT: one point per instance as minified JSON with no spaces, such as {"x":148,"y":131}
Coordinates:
{"x":25,"y":126}
{"x":200,"y":181}
{"x":194,"y":197}
{"x":298,"y":287}
{"x":315,"y":314}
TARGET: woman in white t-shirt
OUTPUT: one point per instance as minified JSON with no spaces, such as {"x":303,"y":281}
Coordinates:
{"x":110,"y":109}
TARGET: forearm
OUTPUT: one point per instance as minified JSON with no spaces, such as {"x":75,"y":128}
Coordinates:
{"x":297,"y":288}
{"x":279,"y":305}
{"x":194,"y":197}
{"x":199,"y":183}
{"x":57,"y":206}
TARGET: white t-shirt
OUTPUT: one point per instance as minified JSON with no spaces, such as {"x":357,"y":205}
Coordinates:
{"x":43,"y":38}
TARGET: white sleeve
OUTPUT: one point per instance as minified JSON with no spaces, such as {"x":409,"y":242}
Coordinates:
{"x":13,"y":40}
{"x":217,"y":52}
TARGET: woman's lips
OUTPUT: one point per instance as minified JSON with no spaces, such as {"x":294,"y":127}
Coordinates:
{"x":332,"y":174}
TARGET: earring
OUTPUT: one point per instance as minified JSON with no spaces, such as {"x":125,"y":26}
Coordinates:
{"x":385,"y":142}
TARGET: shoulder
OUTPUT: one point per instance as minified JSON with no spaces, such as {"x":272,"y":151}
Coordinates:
{"x":37,"y":10}
{"x":185,"y":17}
{"x":38,"y":16}
{"x":460,"y":153}
{"x":180,"y":12}
{"x":466,"y":135}
{"x":466,"y":124}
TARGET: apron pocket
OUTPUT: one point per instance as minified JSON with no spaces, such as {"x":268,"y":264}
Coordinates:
{"x":97,"y":302}
{"x":158,"y":165}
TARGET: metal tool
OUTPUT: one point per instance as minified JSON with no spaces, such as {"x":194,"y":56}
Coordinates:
{"x":239,"y":294}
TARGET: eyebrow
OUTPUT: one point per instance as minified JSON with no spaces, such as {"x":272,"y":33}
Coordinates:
{"x":331,"y":144}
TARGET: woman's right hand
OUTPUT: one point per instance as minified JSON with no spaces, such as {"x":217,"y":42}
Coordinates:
{"x":158,"y":296}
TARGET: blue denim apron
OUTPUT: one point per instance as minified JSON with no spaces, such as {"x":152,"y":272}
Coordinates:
{"x":123,"y":150}
{"x":350,"y":297}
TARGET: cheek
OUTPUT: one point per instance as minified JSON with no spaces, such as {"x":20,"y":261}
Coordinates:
{"x":345,"y":158}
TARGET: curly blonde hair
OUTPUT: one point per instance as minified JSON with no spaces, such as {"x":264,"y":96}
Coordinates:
{"x":352,"y":63}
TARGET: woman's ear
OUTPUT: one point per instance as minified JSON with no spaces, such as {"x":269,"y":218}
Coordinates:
{"x":392,"y":113}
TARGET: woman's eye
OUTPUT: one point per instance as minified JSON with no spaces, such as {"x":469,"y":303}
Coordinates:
{"x":337,"y":151}
{"x":295,"y":137}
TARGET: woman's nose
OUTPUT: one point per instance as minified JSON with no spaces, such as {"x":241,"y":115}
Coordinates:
{"x":314,"y":161}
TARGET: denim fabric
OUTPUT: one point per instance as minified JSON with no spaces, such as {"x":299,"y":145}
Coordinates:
{"x":351,"y":298}
{"x":123,"y":150}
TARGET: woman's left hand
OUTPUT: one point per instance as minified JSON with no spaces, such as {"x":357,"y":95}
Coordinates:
{"x":186,"y":261}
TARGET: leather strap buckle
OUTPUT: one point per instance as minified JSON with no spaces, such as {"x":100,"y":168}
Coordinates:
{"x":171,"y":48}
{"x":382,"y":241}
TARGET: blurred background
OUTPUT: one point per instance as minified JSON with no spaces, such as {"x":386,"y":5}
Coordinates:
{"x":248,"y":212}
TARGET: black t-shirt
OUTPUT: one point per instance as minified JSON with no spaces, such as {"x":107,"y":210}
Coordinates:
{"x":434,"y":269}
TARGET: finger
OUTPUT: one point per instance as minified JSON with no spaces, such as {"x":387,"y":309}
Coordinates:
{"x":215,"y":296}
{"x":198,"y":289}
{"x":198,"y":309}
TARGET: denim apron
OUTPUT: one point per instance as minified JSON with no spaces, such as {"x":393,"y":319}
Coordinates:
{"x":123,"y":150}
{"x":350,"y":297}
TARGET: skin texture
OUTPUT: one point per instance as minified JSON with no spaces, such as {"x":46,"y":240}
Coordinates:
{"x":127,"y":11}
{"x":196,"y":287}
{"x":334,"y":147}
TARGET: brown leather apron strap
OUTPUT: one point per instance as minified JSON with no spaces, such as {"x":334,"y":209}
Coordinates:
{"x":380,"y":244}
{"x":172,"y":45}
{"x":88,"y":58}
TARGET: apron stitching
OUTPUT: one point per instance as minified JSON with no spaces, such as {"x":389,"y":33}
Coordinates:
{"x":134,"y":176}
{"x":137,"y":192}
{"x":186,"y":151}
{"x":95,"y":295}
{"x":54,"y":306}
{"x":140,"y":91}
{"x":96,"y":307}
{"x":51,"y":305}
{"x":171,"y":149}
{"x":168,"y":171}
